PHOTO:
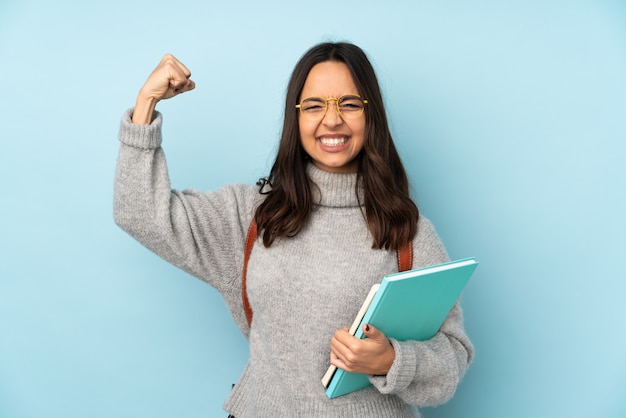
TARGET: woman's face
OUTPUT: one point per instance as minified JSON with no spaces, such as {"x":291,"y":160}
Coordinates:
{"x":332,"y":142}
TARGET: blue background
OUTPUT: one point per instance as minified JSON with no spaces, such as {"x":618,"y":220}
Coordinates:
{"x":511,"y":120}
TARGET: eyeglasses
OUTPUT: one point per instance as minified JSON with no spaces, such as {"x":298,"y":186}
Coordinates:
{"x":350,"y":106}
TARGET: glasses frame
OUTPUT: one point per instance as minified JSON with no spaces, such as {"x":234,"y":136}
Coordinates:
{"x":336,"y":100}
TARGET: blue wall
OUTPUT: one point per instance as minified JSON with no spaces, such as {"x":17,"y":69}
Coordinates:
{"x":510,"y":117}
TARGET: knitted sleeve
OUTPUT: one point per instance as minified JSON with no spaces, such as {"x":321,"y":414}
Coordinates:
{"x":426,"y":373}
{"x":201,"y":233}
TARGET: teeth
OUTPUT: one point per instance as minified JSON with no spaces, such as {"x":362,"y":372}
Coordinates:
{"x":333,"y":142}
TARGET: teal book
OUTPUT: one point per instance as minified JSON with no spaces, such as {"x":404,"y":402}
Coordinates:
{"x":410,"y":305}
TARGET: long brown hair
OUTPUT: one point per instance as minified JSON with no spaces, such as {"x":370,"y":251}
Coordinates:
{"x":390,"y":213}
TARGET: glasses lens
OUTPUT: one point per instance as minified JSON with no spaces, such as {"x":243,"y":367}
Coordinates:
{"x":351,"y":106}
{"x":313,"y":108}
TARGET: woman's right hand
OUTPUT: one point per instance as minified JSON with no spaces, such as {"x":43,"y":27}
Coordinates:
{"x":170,"y":78}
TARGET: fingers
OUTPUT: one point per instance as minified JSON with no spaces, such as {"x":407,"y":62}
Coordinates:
{"x":178,"y":74}
{"x":372,"y":355}
{"x":181,"y":86}
{"x":346,"y":359}
{"x":344,"y":350}
{"x":170,"y":78}
{"x":373,"y":333}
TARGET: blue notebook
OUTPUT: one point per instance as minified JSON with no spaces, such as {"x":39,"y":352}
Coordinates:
{"x":409,"y":305}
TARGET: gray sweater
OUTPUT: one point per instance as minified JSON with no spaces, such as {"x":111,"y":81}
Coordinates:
{"x":301,"y":289}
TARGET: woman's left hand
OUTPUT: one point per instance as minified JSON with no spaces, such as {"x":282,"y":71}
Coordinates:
{"x":372,"y":355}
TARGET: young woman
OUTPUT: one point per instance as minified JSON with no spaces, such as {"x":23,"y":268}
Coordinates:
{"x":331,"y":215}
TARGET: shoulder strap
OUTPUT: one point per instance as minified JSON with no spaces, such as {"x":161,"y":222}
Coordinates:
{"x":405,"y":257}
{"x":404,"y":254}
{"x":250,"y":238}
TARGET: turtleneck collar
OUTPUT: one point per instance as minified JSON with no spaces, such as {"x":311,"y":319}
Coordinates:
{"x":334,"y":189}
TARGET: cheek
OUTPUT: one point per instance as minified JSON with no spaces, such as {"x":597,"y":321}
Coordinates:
{"x":307,"y":131}
{"x":359,"y":130}
{"x":305,"y":138}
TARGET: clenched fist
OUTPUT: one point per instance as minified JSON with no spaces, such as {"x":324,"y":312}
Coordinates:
{"x":169,"y":78}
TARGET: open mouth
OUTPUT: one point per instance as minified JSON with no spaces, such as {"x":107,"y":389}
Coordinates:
{"x":334,"y":141}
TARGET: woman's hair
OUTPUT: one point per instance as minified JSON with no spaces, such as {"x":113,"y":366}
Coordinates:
{"x":389,"y":211}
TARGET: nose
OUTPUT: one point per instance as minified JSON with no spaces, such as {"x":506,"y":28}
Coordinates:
{"x":332,"y":116}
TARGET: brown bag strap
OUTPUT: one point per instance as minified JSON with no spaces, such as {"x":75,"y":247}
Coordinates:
{"x":250,"y":238}
{"x":405,"y":262}
{"x":405,"y":257}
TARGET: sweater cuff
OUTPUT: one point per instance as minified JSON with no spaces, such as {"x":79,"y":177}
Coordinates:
{"x":402,"y":371}
{"x":140,"y":136}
